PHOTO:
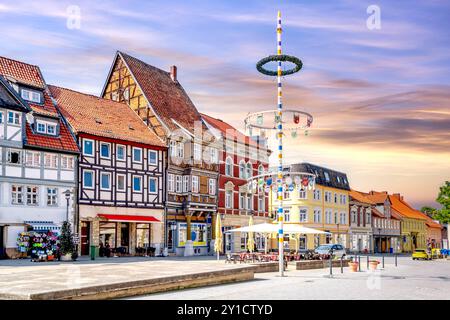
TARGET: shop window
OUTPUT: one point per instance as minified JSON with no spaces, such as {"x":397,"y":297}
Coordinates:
{"x":107,"y":234}
{"x":143,"y":235}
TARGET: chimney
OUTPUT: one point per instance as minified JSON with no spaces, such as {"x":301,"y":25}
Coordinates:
{"x":173,"y":73}
{"x":398,"y":196}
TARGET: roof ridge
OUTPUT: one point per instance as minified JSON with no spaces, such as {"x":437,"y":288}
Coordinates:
{"x":141,"y":61}
{"x":29,"y":64}
{"x":86,"y":94}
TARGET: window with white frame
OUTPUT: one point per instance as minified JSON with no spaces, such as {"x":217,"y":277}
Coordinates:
{"x":336,"y":218}
{"x":33,"y":159}
{"x":152,"y":157}
{"x":13,"y":118}
{"x":213,"y":152}
{"x":171,"y":182}
{"x":52,"y":197}
{"x":88,"y":179}
{"x":287,"y":215}
{"x":67,"y":162}
{"x":335,"y":198}
{"x":32,"y":196}
{"x":195,"y":184}
{"x":368,"y":218}
{"x":16,"y":194}
{"x":153,"y":185}
{"x":186,"y":183}
{"x":30,"y":95}
{"x":303,"y":215}
{"x":212,"y":186}
{"x":51,"y":160}
{"x":45,"y":127}
{"x":242,"y":202}
{"x":105,"y":181}
{"x":105,"y":150}
{"x":88,"y":147}
{"x":229,"y":199}
{"x":120,"y":152}
{"x":343,"y":220}
{"x":137,"y":155}
{"x":317,"y":215}
{"x":197,"y":151}
{"x":229,"y":166}
{"x":120,"y":182}
{"x":328,"y":216}
{"x":14,"y":156}
{"x":137,"y":183}
{"x":249,"y":201}
{"x":261,"y":202}
{"x":316,"y":194}
{"x":353,"y":216}
{"x":302,"y":194}
{"x":327,"y":196}
{"x":248,"y":170}
{"x":242,"y":169}
{"x":178,"y":183}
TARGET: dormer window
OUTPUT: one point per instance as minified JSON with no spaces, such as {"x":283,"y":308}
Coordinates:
{"x":46,"y":128}
{"x":327,"y":176}
{"x":31,"y":95}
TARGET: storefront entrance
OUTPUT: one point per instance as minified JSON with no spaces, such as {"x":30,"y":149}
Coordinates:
{"x":85,"y":237}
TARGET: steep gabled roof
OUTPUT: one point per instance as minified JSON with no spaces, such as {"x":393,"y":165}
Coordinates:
{"x":21,"y":72}
{"x":166,"y":97}
{"x":228,"y":131}
{"x":360,"y":197}
{"x":404,"y":209}
{"x":102,"y":117}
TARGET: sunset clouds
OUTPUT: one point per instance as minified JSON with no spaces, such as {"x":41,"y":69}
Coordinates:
{"x":380,"y":98}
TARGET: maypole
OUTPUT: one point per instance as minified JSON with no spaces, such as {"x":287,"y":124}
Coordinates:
{"x":280,"y":155}
{"x":300,"y":121}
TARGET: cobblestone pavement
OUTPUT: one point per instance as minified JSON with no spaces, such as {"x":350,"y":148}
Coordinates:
{"x":410,"y":280}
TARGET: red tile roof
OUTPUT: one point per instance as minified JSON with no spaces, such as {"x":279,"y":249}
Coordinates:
{"x":22,"y":72}
{"x":167,"y":97}
{"x":228,"y":131}
{"x":376,"y":197}
{"x":64,"y":142}
{"x":431,"y":223}
{"x":404,"y":209}
{"x":360,"y":197}
{"x":101,"y":117}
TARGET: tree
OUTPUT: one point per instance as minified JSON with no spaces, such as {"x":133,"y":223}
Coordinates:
{"x":443,"y":215}
{"x":66,"y":239}
{"x":429,"y":211}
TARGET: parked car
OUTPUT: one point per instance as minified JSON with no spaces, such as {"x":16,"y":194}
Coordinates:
{"x":421,"y":254}
{"x":337,"y":250}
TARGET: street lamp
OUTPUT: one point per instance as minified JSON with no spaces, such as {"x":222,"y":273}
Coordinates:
{"x":67,"y":195}
{"x":379,"y":236}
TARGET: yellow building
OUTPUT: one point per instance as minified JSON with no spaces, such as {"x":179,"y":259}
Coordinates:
{"x":413,"y":224}
{"x":326,"y":207}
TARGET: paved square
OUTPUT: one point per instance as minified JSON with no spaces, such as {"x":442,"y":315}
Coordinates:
{"x":410,"y":280}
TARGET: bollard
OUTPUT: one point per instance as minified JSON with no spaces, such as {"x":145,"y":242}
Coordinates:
{"x":367,"y":262}
{"x":395,"y":259}
{"x":359,"y":263}
{"x":331,"y":266}
{"x":382,"y":259}
{"x":342,"y":266}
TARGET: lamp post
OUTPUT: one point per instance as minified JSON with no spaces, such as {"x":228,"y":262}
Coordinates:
{"x":379,"y":236}
{"x":67,"y":195}
{"x":338,"y":235}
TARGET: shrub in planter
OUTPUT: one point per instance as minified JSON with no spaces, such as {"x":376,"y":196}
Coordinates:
{"x":66,"y":245}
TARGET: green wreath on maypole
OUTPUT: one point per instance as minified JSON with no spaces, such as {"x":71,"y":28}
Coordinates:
{"x":276,"y":58}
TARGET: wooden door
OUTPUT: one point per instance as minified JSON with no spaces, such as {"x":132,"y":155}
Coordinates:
{"x":85,"y":237}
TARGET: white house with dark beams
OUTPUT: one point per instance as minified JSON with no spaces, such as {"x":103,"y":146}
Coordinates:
{"x":121,"y":175}
{"x":37,"y":157}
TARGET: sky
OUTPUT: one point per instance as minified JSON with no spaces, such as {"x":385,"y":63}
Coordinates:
{"x":380,"y":98}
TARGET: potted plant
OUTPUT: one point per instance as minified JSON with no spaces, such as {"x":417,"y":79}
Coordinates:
{"x":66,"y":244}
{"x":373,"y":264}
{"x":353,"y":264}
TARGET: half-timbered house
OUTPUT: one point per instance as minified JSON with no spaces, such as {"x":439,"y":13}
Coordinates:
{"x":241,"y":157}
{"x":121,"y":175}
{"x":37,"y":157}
{"x":158,"y":98}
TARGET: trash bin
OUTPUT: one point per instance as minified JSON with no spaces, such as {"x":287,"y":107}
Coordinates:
{"x":93,"y":252}
{"x":391,"y":250}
